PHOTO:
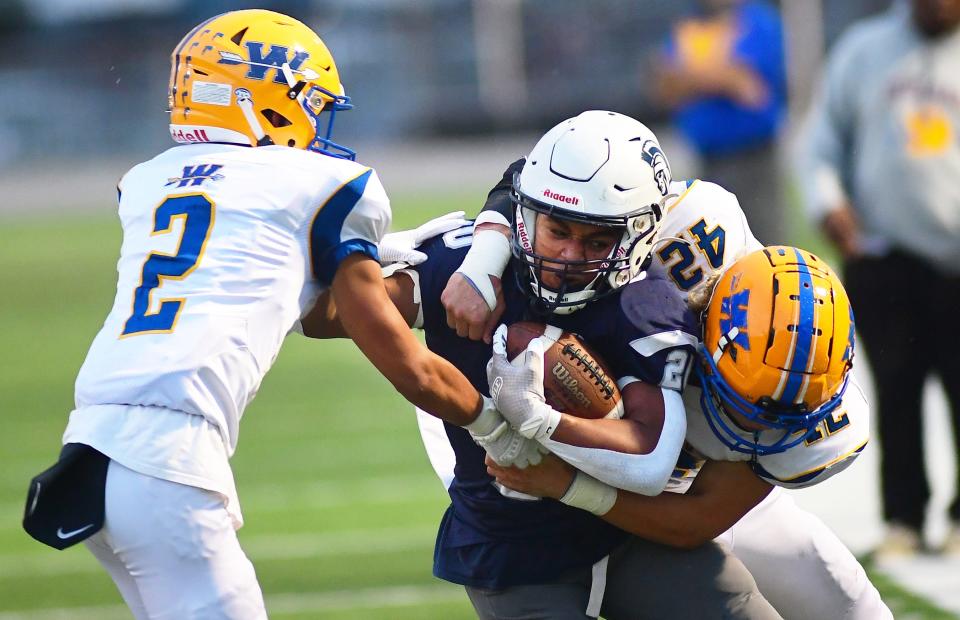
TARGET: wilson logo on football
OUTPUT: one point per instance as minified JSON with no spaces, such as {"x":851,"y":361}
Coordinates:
{"x":570,"y":200}
{"x":569,"y":383}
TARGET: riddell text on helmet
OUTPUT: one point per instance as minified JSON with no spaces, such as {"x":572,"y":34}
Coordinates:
{"x":197,"y":135}
{"x":570,"y":200}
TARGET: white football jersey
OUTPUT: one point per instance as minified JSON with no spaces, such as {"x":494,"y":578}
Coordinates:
{"x":224,"y":248}
{"x":704,"y":230}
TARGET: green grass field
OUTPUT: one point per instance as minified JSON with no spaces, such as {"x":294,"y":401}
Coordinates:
{"x":341,"y":505}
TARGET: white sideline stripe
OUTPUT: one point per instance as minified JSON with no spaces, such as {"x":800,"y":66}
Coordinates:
{"x":46,"y":562}
{"x":271,"y":498}
{"x":280,"y":604}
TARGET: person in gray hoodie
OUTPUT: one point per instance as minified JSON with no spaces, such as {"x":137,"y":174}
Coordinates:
{"x":881,"y":172}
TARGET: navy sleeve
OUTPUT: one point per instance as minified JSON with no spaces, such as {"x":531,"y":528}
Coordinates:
{"x":444,"y":253}
{"x":658,"y":334}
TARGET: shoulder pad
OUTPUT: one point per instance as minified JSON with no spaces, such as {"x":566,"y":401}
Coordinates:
{"x":836,"y":444}
{"x":654,"y":305}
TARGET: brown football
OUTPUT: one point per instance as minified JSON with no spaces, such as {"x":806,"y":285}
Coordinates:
{"x":575,"y":380}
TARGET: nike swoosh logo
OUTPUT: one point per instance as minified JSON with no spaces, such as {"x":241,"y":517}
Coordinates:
{"x":36,"y":498}
{"x":65,"y":535}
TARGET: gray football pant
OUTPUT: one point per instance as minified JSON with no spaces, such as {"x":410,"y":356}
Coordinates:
{"x":644,"y":580}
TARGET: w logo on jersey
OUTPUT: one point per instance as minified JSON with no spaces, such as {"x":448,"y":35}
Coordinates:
{"x":259,"y":63}
{"x":195,"y":175}
{"x":734,"y":316}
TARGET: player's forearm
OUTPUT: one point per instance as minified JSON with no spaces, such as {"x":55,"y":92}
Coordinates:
{"x":382,"y":334}
{"x":721,"y":495}
{"x":669,"y":519}
{"x":436,"y":386}
{"x":637,"y":433}
{"x":619,"y":435}
{"x":645,"y":473}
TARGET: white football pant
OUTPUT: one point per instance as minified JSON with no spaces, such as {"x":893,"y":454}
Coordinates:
{"x":800,"y":565}
{"x":172,"y":551}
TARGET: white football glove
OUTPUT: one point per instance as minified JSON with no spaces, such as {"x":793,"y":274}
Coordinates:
{"x":400,"y":246}
{"x":506,"y":446}
{"x":517,"y":388}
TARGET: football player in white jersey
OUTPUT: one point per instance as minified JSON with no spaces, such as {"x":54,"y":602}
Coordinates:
{"x":227,"y":239}
{"x":737,"y":496}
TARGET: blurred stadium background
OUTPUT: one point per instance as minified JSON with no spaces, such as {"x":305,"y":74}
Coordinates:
{"x":340,"y":502}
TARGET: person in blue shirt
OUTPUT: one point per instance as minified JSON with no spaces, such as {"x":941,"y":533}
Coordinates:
{"x":723,"y":76}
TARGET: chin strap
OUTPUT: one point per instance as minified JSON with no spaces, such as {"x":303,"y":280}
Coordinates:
{"x":245,"y":101}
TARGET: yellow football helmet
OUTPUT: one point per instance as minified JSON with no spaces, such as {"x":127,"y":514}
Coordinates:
{"x":777,"y":347}
{"x":255,"y":77}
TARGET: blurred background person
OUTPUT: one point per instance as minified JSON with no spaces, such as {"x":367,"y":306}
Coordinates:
{"x":723,"y":76}
{"x":883,"y":159}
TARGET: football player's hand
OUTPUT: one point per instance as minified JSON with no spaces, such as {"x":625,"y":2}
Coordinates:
{"x":400,"y":246}
{"x":509,"y":448}
{"x":841,"y":227}
{"x":550,"y":478}
{"x":517,"y":388}
{"x":467,"y":311}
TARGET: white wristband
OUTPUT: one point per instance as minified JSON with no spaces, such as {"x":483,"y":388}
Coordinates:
{"x":588,"y":493}
{"x":541,"y":427}
{"x":487,"y":420}
{"x":488,"y":256}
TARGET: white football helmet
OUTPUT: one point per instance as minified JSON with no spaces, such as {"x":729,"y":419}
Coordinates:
{"x":599,"y":168}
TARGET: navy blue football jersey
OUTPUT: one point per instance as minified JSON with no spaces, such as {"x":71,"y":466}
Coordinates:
{"x":487,"y":540}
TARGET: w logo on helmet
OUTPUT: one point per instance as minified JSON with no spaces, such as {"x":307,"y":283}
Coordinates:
{"x":259,"y":63}
{"x":734,"y":317}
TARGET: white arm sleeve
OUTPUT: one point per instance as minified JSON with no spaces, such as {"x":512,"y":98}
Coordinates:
{"x":646,"y":474}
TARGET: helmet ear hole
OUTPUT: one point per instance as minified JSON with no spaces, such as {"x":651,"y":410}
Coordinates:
{"x":275,"y":118}
{"x":238,"y":37}
{"x":291,"y":143}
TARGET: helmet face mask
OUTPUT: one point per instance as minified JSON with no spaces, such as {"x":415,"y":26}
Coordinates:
{"x":576,"y":286}
{"x":600,"y":169}
{"x":258,"y":78}
{"x":777,"y":350}
{"x":315,"y":104}
{"x":726,"y":412}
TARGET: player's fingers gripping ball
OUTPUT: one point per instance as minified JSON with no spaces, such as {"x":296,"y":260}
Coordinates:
{"x":517,"y":388}
{"x":576,"y":380}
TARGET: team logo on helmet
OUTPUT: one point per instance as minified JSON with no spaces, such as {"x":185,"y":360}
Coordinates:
{"x":259,"y":63}
{"x":658,"y":161}
{"x":733,"y":310}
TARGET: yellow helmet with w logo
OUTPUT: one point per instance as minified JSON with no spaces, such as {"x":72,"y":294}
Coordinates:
{"x":255,"y":77}
{"x":777,"y":347}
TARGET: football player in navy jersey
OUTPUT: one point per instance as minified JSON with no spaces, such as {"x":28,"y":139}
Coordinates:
{"x":590,"y":199}
{"x":734,"y":480}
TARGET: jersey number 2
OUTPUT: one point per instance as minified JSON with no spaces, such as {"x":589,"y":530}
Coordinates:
{"x":197,"y":213}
